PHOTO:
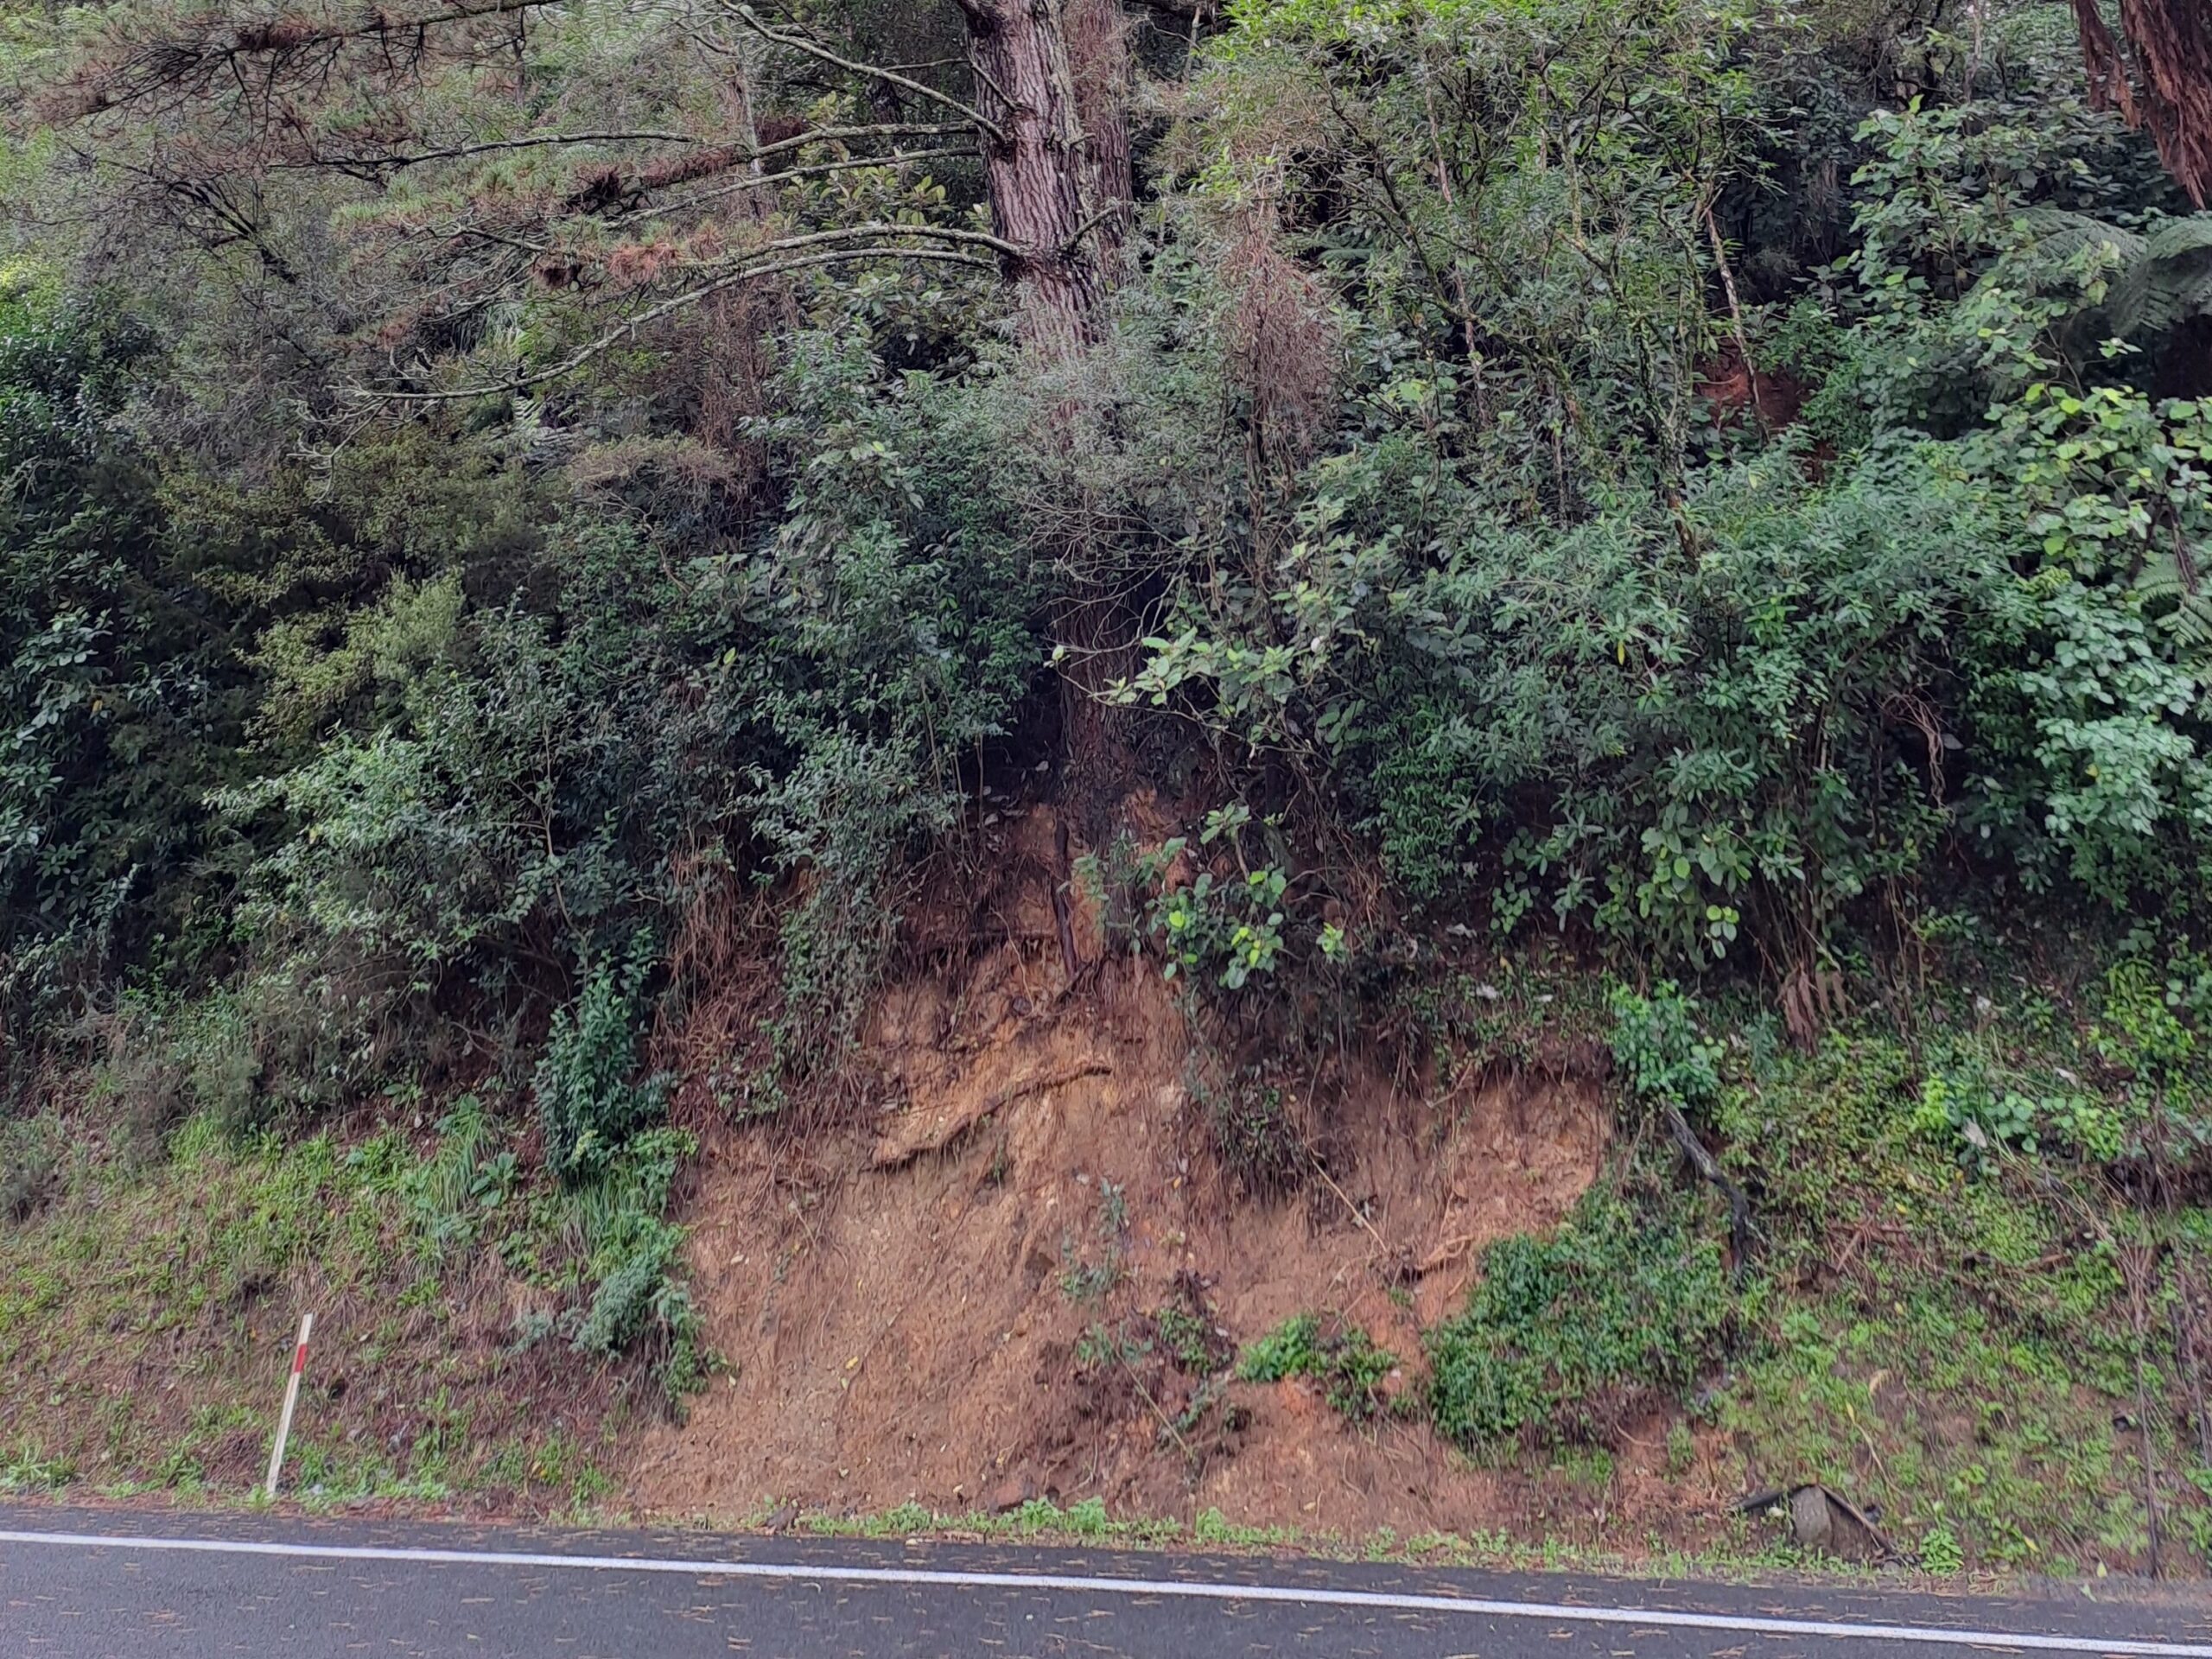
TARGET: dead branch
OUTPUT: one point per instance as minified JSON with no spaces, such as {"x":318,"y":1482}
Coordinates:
{"x":670,"y":308}
{"x":150,"y":67}
{"x":1740,"y":1226}
{"x":798,"y":42}
{"x":462,"y":152}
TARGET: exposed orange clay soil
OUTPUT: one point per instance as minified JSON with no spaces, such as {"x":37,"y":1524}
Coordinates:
{"x":905,"y":1301}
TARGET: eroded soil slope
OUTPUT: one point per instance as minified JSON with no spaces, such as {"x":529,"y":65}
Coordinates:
{"x":969,"y":1296}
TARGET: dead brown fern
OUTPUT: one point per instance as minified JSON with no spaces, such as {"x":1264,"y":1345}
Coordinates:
{"x":1282,"y":341}
{"x":1812,"y":1000}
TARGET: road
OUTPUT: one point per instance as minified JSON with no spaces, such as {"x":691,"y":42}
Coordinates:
{"x":88,"y":1584}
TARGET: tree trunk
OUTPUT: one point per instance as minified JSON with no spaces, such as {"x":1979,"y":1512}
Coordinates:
{"x":1098,"y":51}
{"x":2170,"y":42}
{"x":1059,"y":182}
{"x":1052,"y":76}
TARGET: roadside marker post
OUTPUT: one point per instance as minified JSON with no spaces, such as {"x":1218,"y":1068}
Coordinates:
{"x":291,"y":1399}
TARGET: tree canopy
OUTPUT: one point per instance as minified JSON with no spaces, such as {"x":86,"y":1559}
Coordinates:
{"x":1701,"y":477}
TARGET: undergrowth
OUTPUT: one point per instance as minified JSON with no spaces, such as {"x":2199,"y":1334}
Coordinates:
{"x":157,"y":1308}
{"x":1983,"y":1233}
{"x":1350,"y":1368}
{"x":1965,"y":1294}
{"x":1625,"y":1306}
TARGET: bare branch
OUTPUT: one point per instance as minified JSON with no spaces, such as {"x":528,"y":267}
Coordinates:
{"x":879,"y":227}
{"x":800,"y":43}
{"x":1111,"y":210}
{"x":837,"y":135}
{"x":461,"y":152}
{"x":831,"y":238}
{"x":670,"y":308}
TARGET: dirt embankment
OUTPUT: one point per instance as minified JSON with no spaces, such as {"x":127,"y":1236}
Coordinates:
{"x":966,"y":1300}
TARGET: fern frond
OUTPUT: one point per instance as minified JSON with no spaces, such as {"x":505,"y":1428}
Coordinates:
{"x":2174,"y":593}
{"x":2056,"y":235}
{"x":2169,"y":282}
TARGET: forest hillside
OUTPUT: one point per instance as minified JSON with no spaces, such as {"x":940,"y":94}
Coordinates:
{"x":1426,"y":773}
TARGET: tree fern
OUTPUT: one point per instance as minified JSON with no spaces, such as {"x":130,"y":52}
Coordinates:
{"x":2056,"y":234}
{"x":2160,"y":278}
{"x":2172,"y":588}
{"x":2165,"y":284}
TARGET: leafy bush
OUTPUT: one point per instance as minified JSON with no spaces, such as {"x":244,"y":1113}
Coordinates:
{"x":636,"y":1262}
{"x":1964,"y":1110}
{"x":1677,"y":682}
{"x":1657,"y":1045}
{"x":895,"y":636}
{"x":1230,"y":930}
{"x":1630,"y":699}
{"x":115,"y":671}
{"x":1564,"y":1336}
{"x":1347,"y":1363}
{"x":589,"y":1099}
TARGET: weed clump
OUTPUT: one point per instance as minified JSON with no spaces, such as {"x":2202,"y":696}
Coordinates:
{"x":1350,"y":1368}
{"x":1563,"y":1335}
{"x":1248,"y":1121}
{"x":30,"y":1159}
{"x":636,"y":1264}
{"x":589,"y":1103}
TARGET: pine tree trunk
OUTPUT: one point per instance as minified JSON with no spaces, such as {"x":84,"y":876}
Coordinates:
{"x":1050,"y":195}
{"x":2170,"y":42}
{"x":1054,"y":77}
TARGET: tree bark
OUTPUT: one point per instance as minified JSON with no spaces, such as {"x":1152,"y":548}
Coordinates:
{"x":1098,"y":51}
{"x":1059,"y":183}
{"x":1052,"y":80}
{"x":2171,"y":43}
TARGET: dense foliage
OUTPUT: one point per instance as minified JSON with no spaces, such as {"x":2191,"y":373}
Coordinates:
{"x":489,"y":502}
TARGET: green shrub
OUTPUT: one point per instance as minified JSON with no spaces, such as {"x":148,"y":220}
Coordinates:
{"x":1347,"y":1363}
{"x":1292,"y":1348}
{"x":635,"y":1263}
{"x":1563,"y":1336}
{"x":1223,"y":932}
{"x":1657,"y":1045}
{"x":590,"y":1100}
{"x":115,"y":672}
{"x":1186,"y":1337}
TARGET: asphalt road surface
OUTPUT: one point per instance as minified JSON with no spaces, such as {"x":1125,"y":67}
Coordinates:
{"x":95,"y":1583}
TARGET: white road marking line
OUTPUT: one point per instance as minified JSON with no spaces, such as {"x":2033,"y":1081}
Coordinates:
{"x":1365,"y":1600}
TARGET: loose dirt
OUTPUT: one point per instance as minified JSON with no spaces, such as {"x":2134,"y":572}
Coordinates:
{"x":957,"y":1299}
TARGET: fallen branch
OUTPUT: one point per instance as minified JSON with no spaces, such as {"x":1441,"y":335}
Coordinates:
{"x":892,"y":1152}
{"x":1741,"y":1229}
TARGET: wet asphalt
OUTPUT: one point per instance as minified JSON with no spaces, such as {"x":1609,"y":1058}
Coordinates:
{"x":134,"y":1600}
